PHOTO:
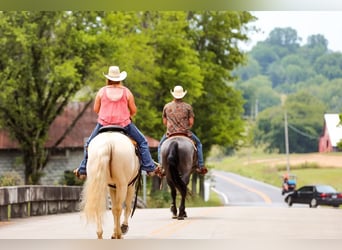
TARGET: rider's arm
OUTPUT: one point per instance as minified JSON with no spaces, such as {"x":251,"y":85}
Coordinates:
{"x":131,"y":103}
{"x":191,"y":121}
{"x":97,"y":103}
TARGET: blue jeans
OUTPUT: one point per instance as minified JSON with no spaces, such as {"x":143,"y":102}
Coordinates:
{"x":198,"y":146}
{"x":146,"y":161}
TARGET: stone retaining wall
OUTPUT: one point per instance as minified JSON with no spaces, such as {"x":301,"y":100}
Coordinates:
{"x":24,"y":201}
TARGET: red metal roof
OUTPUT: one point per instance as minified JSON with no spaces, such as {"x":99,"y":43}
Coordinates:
{"x":76,"y":137}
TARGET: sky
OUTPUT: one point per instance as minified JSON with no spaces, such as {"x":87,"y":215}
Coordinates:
{"x":306,"y":23}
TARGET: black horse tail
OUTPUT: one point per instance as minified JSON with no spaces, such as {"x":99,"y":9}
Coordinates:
{"x":173,"y":161}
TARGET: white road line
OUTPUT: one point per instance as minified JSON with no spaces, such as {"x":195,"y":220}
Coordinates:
{"x":225,"y":198}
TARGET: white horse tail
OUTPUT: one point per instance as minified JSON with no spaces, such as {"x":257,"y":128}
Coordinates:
{"x":94,"y":195}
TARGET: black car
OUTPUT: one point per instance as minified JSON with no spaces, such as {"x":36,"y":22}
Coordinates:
{"x":315,"y":195}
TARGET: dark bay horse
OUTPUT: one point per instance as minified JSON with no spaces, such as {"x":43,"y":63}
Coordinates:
{"x":179,"y":159}
{"x":112,"y":161}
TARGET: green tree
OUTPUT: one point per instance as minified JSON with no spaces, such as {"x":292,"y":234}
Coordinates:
{"x":316,"y":46}
{"x":330,"y":92}
{"x":175,"y":61}
{"x":258,"y":94}
{"x":219,"y":109}
{"x":50,"y":58}
{"x":304,"y":115}
{"x":329,"y":65}
{"x":285,"y":40}
{"x":247,"y":71}
{"x":265,"y":56}
{"x":44,"y":60}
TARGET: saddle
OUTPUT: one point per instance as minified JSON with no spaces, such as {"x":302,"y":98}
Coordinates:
{"x":117,"y":128}
{"x":112,"y":128}
{"x":180,"y":134}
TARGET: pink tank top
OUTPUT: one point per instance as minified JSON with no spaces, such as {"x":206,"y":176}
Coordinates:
{"x":114,"y":112}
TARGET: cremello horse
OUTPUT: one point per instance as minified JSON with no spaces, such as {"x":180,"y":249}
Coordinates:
{"x":112,"y":161}
{"x":179,"y":159}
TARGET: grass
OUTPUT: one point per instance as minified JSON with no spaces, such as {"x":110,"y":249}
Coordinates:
{"x":162,"y":199}
{"x":255,"y":164}
{"x":261,"y":166}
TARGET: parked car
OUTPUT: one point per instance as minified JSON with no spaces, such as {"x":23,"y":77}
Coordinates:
{"x":315,"y":195}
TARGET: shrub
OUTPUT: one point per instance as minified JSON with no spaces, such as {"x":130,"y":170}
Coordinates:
{"x":11,"y":179}
{"x":70,"y":179}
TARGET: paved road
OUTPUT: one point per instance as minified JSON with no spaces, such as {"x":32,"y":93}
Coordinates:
{"x":253,"y":210}
{"x":237,"y":190}
{"x":226,"y":222}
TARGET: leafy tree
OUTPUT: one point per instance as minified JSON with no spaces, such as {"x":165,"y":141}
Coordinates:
{"x":258,"y":91}
{"x":289,"y":70}
{"x":248,"y":70}
{"x":285,"y":40}
{"x":126,"y":43}
{"x":219,"y":108}
{"x":50,"y":58}
{"x":317,"y":41}
{"x":176,"y":62}
{"x":44,"y":60}
{"x":329,"y":65}
{"x":265,"y":56}
{"x":269,"y":129}
{"x":304,"y":115}
{"x":316,"y":46}
{"x":330,"y":92}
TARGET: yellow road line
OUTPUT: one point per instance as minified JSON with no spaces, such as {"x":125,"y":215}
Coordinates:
{"x":265,"y":197}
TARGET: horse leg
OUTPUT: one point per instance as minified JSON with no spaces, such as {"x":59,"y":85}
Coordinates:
{"x":112,"y":193}
{"x":128,"y":208}
{"x":173,"y":204}
{"x":99,"y":230}
{"x":117,"y":199}
{"x":182,"y":212}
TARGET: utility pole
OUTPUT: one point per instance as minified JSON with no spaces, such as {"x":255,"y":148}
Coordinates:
{"x":287,"y":144}
{"x":256,"y":108}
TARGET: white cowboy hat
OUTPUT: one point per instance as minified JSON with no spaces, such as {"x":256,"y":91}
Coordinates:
{"x":178,"y":92}
{"x":115,"y":75}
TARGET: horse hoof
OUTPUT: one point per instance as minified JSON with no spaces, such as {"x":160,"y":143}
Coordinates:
{"x":174,"y":217}
{"x":116,"y":238}
{"x":180,"y":218}
{"x":124,"y":228}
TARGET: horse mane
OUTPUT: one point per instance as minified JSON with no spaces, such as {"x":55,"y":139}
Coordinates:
{"x":173,"y":161}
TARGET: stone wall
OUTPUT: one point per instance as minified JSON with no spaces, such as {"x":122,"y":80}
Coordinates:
{"x":54,"y":171}
{"x":24,"y":201}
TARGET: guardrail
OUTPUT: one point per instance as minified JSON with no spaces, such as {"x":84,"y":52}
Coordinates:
{"x":24,"y":201}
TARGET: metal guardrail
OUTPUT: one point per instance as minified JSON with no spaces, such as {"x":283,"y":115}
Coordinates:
{"x":34,"y":200}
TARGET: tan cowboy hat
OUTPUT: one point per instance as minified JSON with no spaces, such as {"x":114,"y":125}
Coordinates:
{"x":115,"y":75}
{"x":178,"y":92}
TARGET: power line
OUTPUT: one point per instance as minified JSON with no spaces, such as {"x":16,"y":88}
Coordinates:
{"x":302,"y":133}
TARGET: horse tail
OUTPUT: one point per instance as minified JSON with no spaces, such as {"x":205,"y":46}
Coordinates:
{"x":173,"y":161}
{"x":94,"y":194}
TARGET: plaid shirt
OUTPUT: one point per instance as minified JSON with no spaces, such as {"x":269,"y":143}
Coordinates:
{"x":177,"y":114}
